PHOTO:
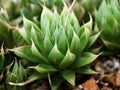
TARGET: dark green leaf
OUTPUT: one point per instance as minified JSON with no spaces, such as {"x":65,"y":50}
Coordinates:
{"x":85,"y":70}
{"x":69,"y":76}
{"x":84,"y":59}
{"x":56,"y":81}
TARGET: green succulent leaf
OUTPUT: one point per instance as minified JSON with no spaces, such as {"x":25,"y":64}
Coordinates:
{"x":84,"y":59}
{"x":47,"y":42}
{"x":63,"y":42}
{"x":67,"y":60}
{"x":69,"y":76}
{"x":37,"y":53}
{"x":111,"y":45}
{"x":56,"y":81}
{"x":107,"y":19}
{"x":45,"y":68}
{"x":25,"y":52}
{"x":84,"y":39}
{"x":22,"y":73}
{"x":69,"y":32}
{"x":54,"y":23}
{"x":23,"y":34}
{"x":3,"y":15}
{"x":89,"y":24}
{"x":26,"y":32}
{"x":14,"y":76}
{"x":93,"y":38}
{"x":65,"y":12}
{"x":75,"y":44}
{"x":55,"y":55}
{"x":46,"y":17}
{"x":85,"y":70}
{"x":2,"y":58}
{"x":74,"y":23}
{"x":18,"y":73}
{"x":36,"y":37}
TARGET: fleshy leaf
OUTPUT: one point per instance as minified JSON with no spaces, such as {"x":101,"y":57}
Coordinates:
{"x":14,"y":76}
{"x":84,"y":59}
{"x":84,"y":39}
{"x":25,"y":52}
{"x":111,"y":45}
{"x":2,"y":58}
{"x":69,"y":32}
{"x":75,"y":44}
{"x":37,"y":53}
{"x":55,"y":55}
{"x":63,"y":43}
{"x":55,"y":22}
{"x":89,"y":24}
{"x":69,"y":76}
{"x":85,"y":70}
{"x":93,"y":38}
{"x":74,"y":23}
{"x":27,"y":26}
{"x":46,"y":17}
{"x":44,"y":68}
{"x":36,"y":37}
{"x":67,"y":60}
{"x":47,"y":43}
{"x":18,"y":73}
{"x":56,"y":81}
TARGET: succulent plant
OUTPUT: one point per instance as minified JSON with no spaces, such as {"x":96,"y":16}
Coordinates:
{"x":8,"y":35}
{"x":108,"y":19}
{"x":18,"y":74}
{"x":60,"y":45}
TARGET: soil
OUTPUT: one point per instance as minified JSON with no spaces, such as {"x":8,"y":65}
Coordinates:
{"x":108,"y":77}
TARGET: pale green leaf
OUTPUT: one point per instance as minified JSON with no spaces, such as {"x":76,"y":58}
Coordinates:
{"x":92,"y":39}
{"x":44,"y":68}
{"x":67,"y":60}
{"x":25,"y":52}
{"x":28,"y":27}
{"x":2,"y":58}
{"x":74,"y":23}
{"x":36,"y":37}
{"x":88,"y":25}
{"x":69,"y":32}
{"x":55,"y":55}
{"x":24,"y":34}
{"x":46,"y":17}
{"x":47,"y":44}
{"x":27,"y":32}
{"x":55,"y":22}
{"x":84,"y":39}
{"x":37,"y":53}
{"x":75,"y":44}
{"x":63,"y":42}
